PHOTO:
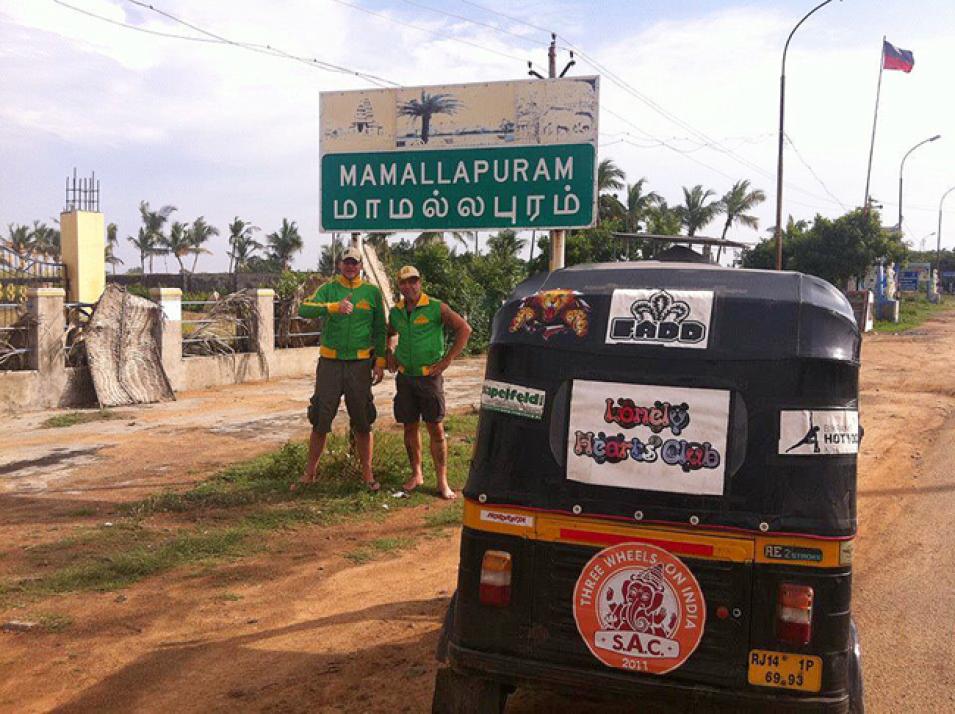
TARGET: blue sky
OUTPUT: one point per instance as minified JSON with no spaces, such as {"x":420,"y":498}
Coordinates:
{"x":220,"y":131}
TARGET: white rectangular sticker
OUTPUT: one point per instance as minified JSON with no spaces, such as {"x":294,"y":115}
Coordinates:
{"x":670,"y":318}
{"x":649,"y":437}
{"x":819,"y":432}
{"x":508,"y":519}
{"x":513,"y":399}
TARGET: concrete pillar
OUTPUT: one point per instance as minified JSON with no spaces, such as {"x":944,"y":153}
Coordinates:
{"x":170,"y":332}
{"x":48,"y":341}
{"x":263,"y":329}
{"x":83,"y":249}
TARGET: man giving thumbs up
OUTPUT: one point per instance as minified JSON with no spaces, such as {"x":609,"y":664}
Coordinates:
{"x":352,"y":359}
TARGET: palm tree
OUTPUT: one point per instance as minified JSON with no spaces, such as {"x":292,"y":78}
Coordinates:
{"x":610,"y":179}
{"x":144,"y":244}
{"x":45,"y":240}
{"x":285,"y":243}
{"x":736,"y":202}
{"x":426,"y":107}
{"x":428,"y":238}
{"x":19,"y":239}
{"x":153,"y":222}
{"x":328,"y":260}
{"x":200,"y":232}
{"x":112,"y":243}
{"x":240,"y":234}
{"x":638,"y":206}
{"x":695,"y":212}
{"x":178,"y":242}
{"x":505,"y":244}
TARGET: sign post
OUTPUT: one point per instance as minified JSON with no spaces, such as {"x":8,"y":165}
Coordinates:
{"x":488,"y":156}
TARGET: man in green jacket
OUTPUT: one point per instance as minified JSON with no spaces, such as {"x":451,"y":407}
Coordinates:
{"x":418,"y":322}
{"x":352,"y":359}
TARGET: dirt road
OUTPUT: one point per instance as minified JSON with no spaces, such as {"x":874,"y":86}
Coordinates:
{"x":303,"y":629}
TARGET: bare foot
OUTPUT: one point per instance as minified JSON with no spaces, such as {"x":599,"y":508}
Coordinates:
{"x":413,"y":483}
{"x":447,"y":494}
{"x":306,"y":480}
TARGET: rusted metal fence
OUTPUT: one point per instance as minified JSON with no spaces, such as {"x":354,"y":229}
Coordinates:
{"x":292,"y":330}
{"x":212,"y":327}
{"x":19,"y":273}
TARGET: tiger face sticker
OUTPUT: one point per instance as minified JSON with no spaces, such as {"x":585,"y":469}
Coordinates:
{"x":638,"y":607}
{"x":553,"y":312}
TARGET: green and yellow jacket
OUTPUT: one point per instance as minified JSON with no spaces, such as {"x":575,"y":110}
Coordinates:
{"x":420,"y":335}
{"x":360,"y":335}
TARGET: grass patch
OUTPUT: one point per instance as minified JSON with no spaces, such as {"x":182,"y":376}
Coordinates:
{"x":54,"y":622}
{"x":244,"y":501}
{"x":229,"y":597}
{"x":913,"y":311}
{"x":73,"y":418}
{"x":377,"y":549}
{"x":449,"y":516}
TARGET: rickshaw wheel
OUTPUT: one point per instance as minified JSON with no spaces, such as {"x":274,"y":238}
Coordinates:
{"x":456,"y":693}
{"x":856,"y":685}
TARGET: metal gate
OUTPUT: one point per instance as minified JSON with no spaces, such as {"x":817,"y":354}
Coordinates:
{"x":19,"y":273}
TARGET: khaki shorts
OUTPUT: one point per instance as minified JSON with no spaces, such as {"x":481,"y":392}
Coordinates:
{"x":419,"y":398}
{"x":333,"y":378}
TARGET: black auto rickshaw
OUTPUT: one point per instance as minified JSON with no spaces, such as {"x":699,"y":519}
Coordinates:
{"x":662,"y":500}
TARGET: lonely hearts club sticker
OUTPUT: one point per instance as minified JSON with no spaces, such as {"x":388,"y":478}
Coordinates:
{"x":638,"y":607}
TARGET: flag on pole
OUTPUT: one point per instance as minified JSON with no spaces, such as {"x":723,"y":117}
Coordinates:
{"x":895,"y":58}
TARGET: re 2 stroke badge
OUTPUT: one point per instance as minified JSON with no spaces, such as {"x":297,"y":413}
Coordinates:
{"x":638,"y":607}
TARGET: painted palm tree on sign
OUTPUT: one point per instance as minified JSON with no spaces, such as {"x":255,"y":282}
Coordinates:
{"x":199,"y":233}
{"x":427,"y":107}
{"x":696,"y":212}
{"x":736,"y":203}
{"x":285,"y":243}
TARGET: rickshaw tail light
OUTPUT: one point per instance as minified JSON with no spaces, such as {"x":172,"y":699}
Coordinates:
{"x":496,"y":578}
{"x":794,"y":614}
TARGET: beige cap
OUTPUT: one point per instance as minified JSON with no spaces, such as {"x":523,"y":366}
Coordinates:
{"x":352,"y":254}
{"x":408,"y":271}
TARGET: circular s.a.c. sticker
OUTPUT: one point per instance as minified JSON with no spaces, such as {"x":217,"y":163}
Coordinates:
{"x":638,"y":607}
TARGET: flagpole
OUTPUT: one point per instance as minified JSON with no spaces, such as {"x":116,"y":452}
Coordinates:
{"x":875,"y":119}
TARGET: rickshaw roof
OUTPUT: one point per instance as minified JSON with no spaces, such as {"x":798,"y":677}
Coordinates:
{"x":757,"y":313}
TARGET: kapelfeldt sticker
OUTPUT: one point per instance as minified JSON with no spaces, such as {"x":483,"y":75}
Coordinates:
{"x":638,"y":607}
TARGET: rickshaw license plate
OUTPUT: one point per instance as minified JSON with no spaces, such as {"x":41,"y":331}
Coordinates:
{"x":785,"y":670}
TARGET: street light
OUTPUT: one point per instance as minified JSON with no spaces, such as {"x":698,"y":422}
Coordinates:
{"x":922,"y":242}
{"x":902,"y":166}
{"x":938,"y":245}
{"x":779,"y":164}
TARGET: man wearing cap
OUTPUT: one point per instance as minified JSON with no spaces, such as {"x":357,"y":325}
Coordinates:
{"x":352,"y":359}
{"x":418,"y":322}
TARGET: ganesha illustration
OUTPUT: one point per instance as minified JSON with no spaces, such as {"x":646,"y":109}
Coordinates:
{"x":553,"y":312}
{"x":640,"y":601}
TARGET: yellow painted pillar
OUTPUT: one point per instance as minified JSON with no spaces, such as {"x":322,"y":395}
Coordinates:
{"x":83,"y":250}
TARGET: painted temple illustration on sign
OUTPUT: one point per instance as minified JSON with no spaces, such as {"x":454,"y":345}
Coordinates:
{"x":485,"y":114}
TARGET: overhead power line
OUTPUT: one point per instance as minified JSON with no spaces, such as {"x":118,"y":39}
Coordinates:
{"x":496,"y":28}
{"x":264,"y":48}
{"x":435,"y":33}
{"x":213,"y":39}
{"x":813,"y":172}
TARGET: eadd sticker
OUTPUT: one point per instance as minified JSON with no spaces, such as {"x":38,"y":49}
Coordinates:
{"x":638,"y":607}
{"x":668,"y":318}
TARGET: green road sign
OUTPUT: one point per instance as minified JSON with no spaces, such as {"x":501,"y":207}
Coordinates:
{"x":536,"y":186}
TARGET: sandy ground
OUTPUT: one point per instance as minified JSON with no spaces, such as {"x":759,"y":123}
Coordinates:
{"x":303,"y":629}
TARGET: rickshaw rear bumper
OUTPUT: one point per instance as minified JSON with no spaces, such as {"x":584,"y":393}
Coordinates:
{"x":666,"y":695}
